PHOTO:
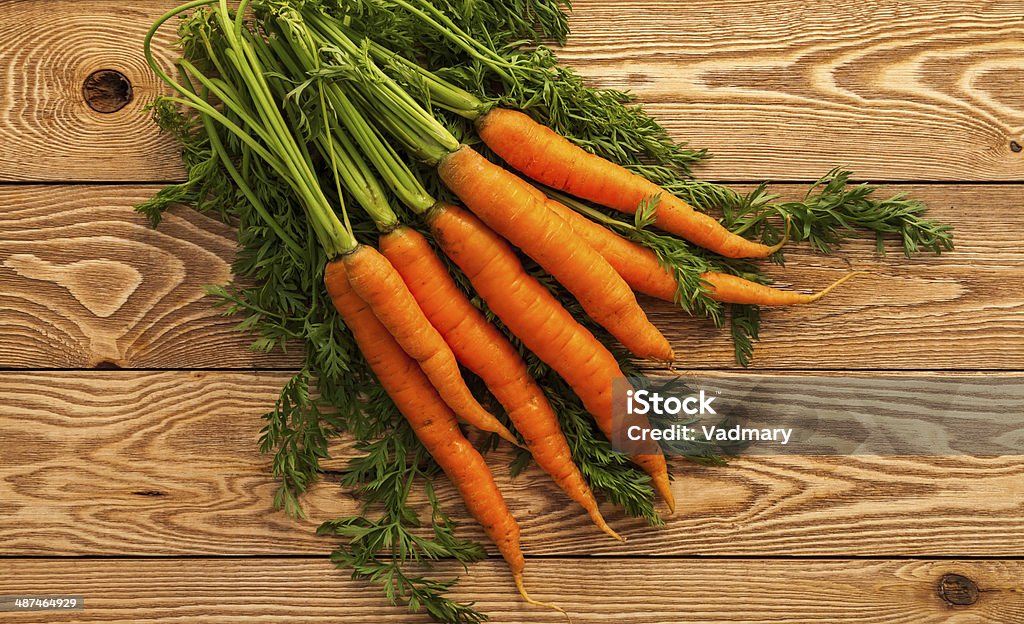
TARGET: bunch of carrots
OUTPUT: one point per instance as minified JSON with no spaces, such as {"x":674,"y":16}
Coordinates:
{"x":333,"y":116}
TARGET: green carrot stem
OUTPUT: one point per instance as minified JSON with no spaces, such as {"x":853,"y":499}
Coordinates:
{"x":392,"y":103}
{"x":243,"y":186}
{"x":432,"y":16}
{"x":300,"y":60}
{"x":334,"y":144}
{"x":279,"y":148}
{"x":442,"y":93}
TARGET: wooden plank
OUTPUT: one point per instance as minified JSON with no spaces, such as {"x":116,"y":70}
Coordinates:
{"x":960,"y":310}
{"x":653,"y":591}
{"x":922,"y":90}
{"x":47,"y":129}
{"x":84,"y":282}
{"x":151,"y":463}
{"x":915,"y":90}
{"x":165,"y":463}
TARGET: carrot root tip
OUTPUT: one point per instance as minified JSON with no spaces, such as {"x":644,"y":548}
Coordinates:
{"x":601,"y":524}
{"x":518,"y":576}
{"x":664,"y":489}
{"x":836,"y":284}
{"x":785,"y":238}
{"x":507,"y":436}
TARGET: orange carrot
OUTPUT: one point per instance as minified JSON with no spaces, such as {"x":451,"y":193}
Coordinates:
{"x":381,"y":287}
{"x":481,"y":348}
{"x":733,"y":289}
{"x":536,"y":317}
{"x":639,"y":266}
{"x":517,"y":211}
{"x":542,"y":154}
{"x":432,"y":421}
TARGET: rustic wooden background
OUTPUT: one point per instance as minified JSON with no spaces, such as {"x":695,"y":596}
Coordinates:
{"x":129,"y":410}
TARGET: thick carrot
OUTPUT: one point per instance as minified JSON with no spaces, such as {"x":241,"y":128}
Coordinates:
{"x":432,"y":421}
{"x":639,"y":266}
{"x":517,"y":211}
{"x":381,"y":287}
{"x":481,"y":348}
{"x":536,"y":317}
{"x":544,"y":155}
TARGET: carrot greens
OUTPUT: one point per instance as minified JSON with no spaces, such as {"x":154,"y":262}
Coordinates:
{"x":288,"y":113}
{"x":252,"y":163}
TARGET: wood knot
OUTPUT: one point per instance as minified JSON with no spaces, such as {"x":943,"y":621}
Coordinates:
{"x":1015,"y":146}
{"x":107,"y":91}
{"x":958,"y":590}
{"x":102,"y":286}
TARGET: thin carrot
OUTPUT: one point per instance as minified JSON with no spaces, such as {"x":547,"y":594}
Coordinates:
{"x":639,"y":266}
{"x":518,"y":211}
{"x":481,"y":348}
{"x":544,"y":155}
{"x":432,"y":421}
{"x":381,"y":287}
{"x":733,"y":289}
{"x":536,"y":317}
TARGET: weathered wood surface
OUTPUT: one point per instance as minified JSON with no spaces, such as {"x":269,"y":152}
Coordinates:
{"x":922,"y":90}
{"x":165,"y":463}
{"x":161,"y":469}
{"x":593,"y":590}
{"x":84,"y":281}
{"x":47,"y":130}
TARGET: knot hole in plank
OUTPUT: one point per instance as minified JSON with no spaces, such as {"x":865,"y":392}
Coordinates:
{"x":958,"y":590}
{"x":107,"y":91}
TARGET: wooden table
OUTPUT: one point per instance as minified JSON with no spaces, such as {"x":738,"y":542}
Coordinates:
{"x":129,"y":409}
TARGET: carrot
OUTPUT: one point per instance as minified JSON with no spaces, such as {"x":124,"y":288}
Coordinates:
{"x":544,"y":155}
{"x":536,"y":317}
{"x":477,"y":344}
{"x":639,"y":266}
{"x":432,"y":421}
{"x":381,"y":287}
{"x":733,"y":289}
{"x":517,"y":211}
{"x":481,"y":348}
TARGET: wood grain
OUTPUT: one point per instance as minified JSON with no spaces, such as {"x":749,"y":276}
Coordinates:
{"x":66,"y":248}
{"x":47,"y":130}
{"x":921,"y":90}
{"x":165,"y":463}
{"x":960,"y":310}
{"x":84,"y":282}
{"x":144,"y":492}
{"x":649,"y":591}
{"x":145,"y":463}
{"x":896,"y":90}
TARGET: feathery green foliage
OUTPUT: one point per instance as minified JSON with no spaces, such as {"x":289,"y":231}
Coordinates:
{"x":279,"y":294}
{"x":280,"y":298}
